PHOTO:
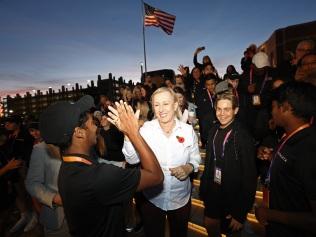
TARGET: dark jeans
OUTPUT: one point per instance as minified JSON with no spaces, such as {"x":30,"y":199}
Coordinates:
{"x":154,"y":220}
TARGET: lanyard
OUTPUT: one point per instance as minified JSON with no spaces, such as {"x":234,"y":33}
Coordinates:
{"x":263,"y":83}
{"x":224,"y":144}
{"x":284,"y":139}
{"x":209,"y":95}
{"x":236,"y":94}
{"x":251,"y":76}
{"x":76,"y":159}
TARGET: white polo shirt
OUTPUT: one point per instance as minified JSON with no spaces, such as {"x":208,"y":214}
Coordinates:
{"x":180,"y":148}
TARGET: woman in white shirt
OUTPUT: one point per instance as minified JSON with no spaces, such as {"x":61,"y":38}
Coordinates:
{"x":176,"y":147}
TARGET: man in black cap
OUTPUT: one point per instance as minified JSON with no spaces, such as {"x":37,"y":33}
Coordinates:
{"x":95,"y":195}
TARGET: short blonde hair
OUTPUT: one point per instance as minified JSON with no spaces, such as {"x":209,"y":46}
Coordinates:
{"x":173,"y":95}
{"x":228,"y":95}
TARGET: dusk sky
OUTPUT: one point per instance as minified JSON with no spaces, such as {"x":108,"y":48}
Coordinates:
{"x":52,"y":43}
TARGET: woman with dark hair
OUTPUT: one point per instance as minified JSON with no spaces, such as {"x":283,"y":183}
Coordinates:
{"x":187,"y":109}
{"x":144,"y":92}
{"x":231,"y":70}
{"x":206,"y":59}
{"x":194,"y":83}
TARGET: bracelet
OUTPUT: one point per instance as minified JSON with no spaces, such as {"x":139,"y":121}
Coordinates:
{"x":192,"y":167}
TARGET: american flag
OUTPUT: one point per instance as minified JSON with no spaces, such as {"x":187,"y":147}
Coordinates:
{"x":158,"y":18}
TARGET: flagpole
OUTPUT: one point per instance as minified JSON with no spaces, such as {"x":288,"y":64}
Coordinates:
{"x":144,"y":42}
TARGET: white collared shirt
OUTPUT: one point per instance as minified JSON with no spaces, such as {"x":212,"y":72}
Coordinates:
{"x":180,"y":148}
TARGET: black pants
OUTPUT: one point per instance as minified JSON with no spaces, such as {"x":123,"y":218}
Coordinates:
{"x":154,"y":220}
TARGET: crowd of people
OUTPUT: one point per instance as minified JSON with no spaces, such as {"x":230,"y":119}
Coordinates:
{"x":77,"y":168}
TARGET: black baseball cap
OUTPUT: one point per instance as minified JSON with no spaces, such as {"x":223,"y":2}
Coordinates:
{"x":58,"y":121}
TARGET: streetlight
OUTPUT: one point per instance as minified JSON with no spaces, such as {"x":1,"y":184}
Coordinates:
{"x":141,"y":69}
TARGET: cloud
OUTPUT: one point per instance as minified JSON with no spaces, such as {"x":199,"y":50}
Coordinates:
{"x":21,"y":86}
{"x":13,"y":92}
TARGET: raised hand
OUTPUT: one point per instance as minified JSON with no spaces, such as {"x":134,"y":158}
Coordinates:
{"x":198,"y":50}
{"x":124,"y":118}
{"x":182,"y":70}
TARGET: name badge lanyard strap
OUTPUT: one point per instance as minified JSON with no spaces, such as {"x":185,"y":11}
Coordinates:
{"x":223,"y":146}
{"x":76,"y":159}
{"x":250,"y":76}
{"x":209,"y":95}
{"x":263,"y":83}
{"x":284,"y":139}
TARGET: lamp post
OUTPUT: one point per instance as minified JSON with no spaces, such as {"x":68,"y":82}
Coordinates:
{"x":141,"y":70}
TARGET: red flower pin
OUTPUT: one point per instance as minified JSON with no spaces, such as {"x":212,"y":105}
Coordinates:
{"x":180,"y":139}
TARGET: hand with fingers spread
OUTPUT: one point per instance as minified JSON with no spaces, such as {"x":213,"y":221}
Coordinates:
{"x":181,"y":69}
{"x":182,"y":172}
{"x":124,"y":118}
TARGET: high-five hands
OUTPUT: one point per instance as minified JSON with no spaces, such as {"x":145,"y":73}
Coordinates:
{"x":124,"y":118}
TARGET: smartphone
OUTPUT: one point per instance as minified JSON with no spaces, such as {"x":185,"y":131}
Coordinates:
{"x":202,"y":48}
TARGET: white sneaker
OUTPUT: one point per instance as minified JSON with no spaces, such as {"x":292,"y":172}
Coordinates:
{"x":20,"y":223}
{"x":31,"y":223}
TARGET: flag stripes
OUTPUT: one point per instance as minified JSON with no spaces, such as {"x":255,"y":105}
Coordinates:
{"x":158,"y":18}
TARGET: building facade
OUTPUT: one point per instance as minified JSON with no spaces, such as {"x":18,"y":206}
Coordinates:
{"x":283,"y":41}
{"x":34,"y":104}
